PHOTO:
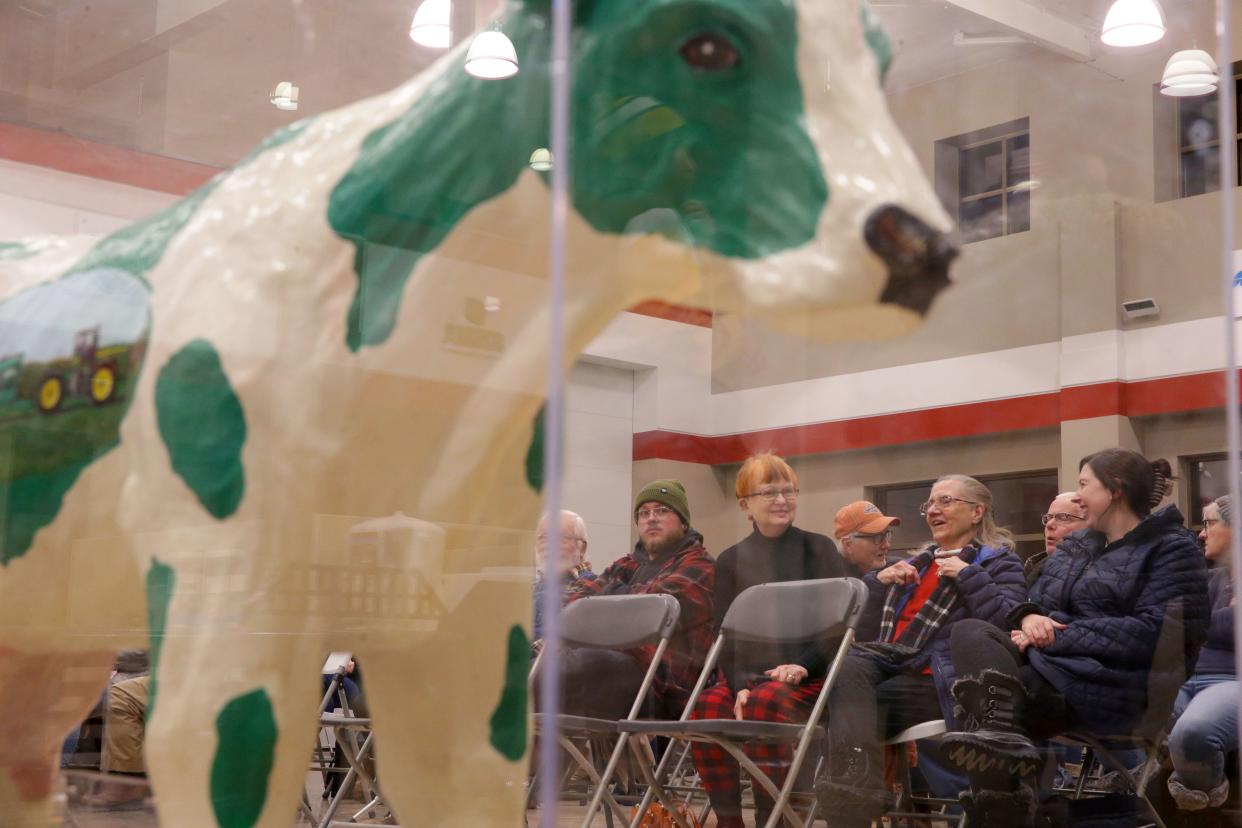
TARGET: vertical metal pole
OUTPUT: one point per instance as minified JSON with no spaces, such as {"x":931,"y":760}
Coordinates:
{"x":1228,"y":193}
{"x":562,"y":21}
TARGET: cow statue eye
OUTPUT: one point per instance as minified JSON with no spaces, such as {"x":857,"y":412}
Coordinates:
{"x":710,"y":52}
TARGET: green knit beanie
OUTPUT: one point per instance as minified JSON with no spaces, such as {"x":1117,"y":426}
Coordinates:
{"x":669,"y":492}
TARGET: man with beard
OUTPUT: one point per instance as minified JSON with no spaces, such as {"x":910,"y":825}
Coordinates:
{"x":669,"y":559}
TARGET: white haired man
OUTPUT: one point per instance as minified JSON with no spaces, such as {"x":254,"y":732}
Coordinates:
{"x":1065,"y":515}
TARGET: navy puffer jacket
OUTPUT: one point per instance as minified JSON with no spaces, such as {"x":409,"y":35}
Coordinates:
{"x":990,"y":589}
{"x":1114,"y":597}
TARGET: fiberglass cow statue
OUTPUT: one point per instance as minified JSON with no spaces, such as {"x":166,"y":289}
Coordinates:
{"x":254,"y":428}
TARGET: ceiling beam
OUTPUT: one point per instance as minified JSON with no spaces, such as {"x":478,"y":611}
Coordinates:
{"x":1033,"y":23}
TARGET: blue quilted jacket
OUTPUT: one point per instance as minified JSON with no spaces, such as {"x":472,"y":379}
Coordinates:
{"x":990,"y":589}
{"x":1114,"y":597}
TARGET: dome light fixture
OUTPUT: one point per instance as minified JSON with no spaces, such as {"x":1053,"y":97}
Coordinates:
{"x":284,"y":96}
{"x":432,"y":24}
{"x":1188,"y":73}
{"x":1133,"y":23}
{"x":541,"y":160}
{"x":492,"y":56}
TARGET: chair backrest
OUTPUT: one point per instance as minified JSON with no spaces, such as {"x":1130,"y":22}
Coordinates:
{"x":795,"y":611}
{"x":619,"y":622}
{"x":1168,"y":671}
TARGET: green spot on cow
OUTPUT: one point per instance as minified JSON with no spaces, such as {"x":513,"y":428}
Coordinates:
{"x":203,"y":426}
{"x":245,"y":753}
{"x":534,"y":453}
{"x":508,"y":722}
{"x":878,"y":40}
{"x":16,"y":250}
{"x":161,"y":579}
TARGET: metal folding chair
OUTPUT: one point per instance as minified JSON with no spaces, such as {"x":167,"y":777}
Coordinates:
{"x":779,"y":613}
{"x":609,"y":622}
{"x":907,"y":801}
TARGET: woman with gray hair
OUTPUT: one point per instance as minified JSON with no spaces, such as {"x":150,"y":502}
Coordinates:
{"x":1207,"y":707}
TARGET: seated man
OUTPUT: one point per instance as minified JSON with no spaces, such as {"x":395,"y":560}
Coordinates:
{"x":1065,"y":515}
{"x":125,"y":715}
{"x":865,"y":534}
{"x":572,"y":561}
{"x":669,"y":558}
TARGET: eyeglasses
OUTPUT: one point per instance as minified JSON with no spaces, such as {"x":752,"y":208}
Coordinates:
{"x":1060,"y":517}
{"x":658,"y":513}
{"x":877,"y":538}
{"x":770,"y":495}
{"x":564,"y":538}
{"x":943,"y":502}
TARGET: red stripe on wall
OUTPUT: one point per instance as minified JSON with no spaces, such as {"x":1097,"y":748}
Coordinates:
{"x":1133,"y":399}
{"x":61,"y":151}
{"x":675,"y":313}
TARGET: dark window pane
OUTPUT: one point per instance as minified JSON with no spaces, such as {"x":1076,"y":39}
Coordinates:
{"x":982,"y":219}
{"x":904,"y":502}
{"x":1200,"y":171}
{"x":1197,"y":118}
{"x":1209,"y":480}
{"x":980,"y":170}
{"x":1019,"y":160}
{"x":1019,"y":502}
{"x":1019,"y":212}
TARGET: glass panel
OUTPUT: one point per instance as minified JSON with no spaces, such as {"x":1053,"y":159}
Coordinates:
{"x":1019,"y":207}
{"x":982,"y":219}
{"x":1019,"y":501}
{"x":981,"y":169}
{"x":1198,"y":118}
{"x":1019,"y":152}
{"x":1200,"y":171}
{"x":904,"y":502}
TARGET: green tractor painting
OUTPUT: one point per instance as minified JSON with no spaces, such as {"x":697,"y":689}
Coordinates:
{"x":92,"y":373}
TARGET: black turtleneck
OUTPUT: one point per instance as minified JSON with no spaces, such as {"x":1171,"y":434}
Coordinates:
{"x":796,"y":555}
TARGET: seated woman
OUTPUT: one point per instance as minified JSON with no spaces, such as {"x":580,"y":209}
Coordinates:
{"x":1207,"y":706}
{"x":969,"y":572}
{"x":760,"y":682}
{"x":1078,"y":654}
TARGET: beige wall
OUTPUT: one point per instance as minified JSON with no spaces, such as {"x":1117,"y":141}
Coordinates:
{"x":1098,"y":236}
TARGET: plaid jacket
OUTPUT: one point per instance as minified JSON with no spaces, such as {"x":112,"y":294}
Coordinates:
{"x":688,"y":574}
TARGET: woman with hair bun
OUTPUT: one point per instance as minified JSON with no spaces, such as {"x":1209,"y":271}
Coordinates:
{"x":1079,"y":654}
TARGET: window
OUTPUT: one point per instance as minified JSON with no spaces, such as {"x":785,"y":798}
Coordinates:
{"x":1018,"y":501}
{"x":984,"y":179}
{"x":1198,"y":143}
{"x":1208,"y":476}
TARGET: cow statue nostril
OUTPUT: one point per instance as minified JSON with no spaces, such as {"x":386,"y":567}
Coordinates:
{"x":917,"y":257}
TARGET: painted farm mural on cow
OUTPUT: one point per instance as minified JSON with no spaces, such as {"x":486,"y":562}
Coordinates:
{"x":205,"y":416}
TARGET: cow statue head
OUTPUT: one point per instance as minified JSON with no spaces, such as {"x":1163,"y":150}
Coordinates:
{"x":758,"y":131}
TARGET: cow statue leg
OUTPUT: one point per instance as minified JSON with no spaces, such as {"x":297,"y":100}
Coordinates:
{"x":231,"y":727}
{"x":451,"y":716}
{"x":46,"y":695}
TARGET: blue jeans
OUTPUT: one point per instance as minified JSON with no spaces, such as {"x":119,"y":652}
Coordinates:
{"x":1206,"y":730}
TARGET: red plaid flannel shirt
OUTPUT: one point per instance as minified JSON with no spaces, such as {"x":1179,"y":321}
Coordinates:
{"x":688,"y":575}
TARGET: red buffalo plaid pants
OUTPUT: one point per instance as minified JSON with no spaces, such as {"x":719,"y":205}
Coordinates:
{"x":771,"y":701}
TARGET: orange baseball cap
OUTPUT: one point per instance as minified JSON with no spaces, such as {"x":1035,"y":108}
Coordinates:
{"x":862,"y":516}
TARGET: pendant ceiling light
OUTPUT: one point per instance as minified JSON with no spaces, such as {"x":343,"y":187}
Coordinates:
{"x":1133,"y":23}
{"x":1190,"y":72}
{"x":284,"y":96}
{"x":492,"y":56}
{"x":432,"y":26}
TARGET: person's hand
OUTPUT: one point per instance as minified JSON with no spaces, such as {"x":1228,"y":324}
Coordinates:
{"x":787,"y":673}
{"x":950,"y":567}
{"x":349,"y":666}
{"x":1040,"y":630}
{"x":740,"y":703}
{"x":1019,"y":640}
{"x":899,"y":573}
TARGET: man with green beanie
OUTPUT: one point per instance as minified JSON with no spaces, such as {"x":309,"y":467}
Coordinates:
{"x":669,"y":559}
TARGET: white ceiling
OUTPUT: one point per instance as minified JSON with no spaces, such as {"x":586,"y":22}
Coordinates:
{"x":190,"y":78}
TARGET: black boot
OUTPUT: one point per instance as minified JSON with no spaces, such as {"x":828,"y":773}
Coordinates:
{"x":851,"y":793}
{"x":999,"y":809}
{"x":996,"y":745}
